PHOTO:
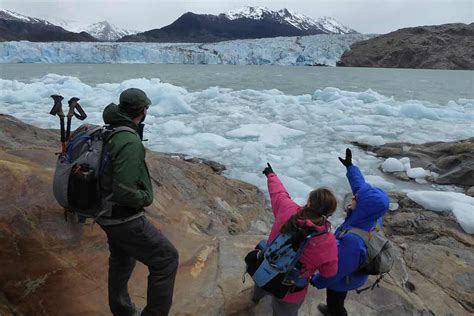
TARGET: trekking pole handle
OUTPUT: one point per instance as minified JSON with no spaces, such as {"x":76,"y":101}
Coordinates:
{"x":57,"y":108}
{"x":73,"y":105}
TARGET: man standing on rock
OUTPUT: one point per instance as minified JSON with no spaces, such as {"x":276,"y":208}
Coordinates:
{"x":368,"y":205}
{"x":127,"y":189}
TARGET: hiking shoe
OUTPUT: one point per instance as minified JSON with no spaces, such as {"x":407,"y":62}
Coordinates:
{"x":323,"y":309}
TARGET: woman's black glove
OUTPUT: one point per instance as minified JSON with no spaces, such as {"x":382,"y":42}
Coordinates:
{"x":268,"y":170}
{"x":348,"y":160}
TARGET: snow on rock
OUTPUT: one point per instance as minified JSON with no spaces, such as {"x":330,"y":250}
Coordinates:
{"x":306,"y":50}
{"x":371,"y":140}
{"x":392,"y":165}
{"x":460,"y":204}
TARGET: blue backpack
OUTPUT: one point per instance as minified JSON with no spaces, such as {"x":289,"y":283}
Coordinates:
{"x":275,"y":267}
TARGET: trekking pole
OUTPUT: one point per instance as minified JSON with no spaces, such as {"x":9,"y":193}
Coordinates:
{"x":58,"y":110}
{"x":73,"y":105}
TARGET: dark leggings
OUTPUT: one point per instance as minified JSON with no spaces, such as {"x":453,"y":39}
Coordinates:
{"x":335,"y":301}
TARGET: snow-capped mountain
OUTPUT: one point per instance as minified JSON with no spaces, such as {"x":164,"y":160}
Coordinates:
{"x":245,"y":23}
{"x":13,"y":16}
{"x":106,"y":31}
{"x":103,"y":31}
{"x":325,"y":24}
{"x":18,"y":27}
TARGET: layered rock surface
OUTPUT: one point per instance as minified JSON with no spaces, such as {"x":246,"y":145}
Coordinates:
{"x":53,"y":267}
{"x":453,"y":161}
{"x":447,"y":46}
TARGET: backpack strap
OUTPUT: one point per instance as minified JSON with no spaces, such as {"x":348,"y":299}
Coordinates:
{"x":364,"y":235}
{"x":117,"y":130}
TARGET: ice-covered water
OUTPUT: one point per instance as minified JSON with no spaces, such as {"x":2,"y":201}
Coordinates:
{"x":300,"y":135}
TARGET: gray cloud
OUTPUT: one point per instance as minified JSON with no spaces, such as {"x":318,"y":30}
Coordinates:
{"x":367,"y":16}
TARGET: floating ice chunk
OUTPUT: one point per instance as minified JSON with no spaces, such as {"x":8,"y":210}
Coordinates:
{"x":415,"y":173}
{"x":371,"y":140}
{"x":176,"y":127}
{"x":460,"y":204}
{"x":421,"y":181}
{"x":354,"y":128}
{"x":209,"y":93}
{"x":386,"y":110}
{"x":170,"y":104}
{"x":406,"y":162}
{"x":464,"y":214}
{"x":208,"y":141}
{"x":380,"y":182}
{"x":271,"y":134}
{"x":298,"y":190}
{"x":418,"y":111}
{"x":392,"y":165}
{"x":439,"y":201}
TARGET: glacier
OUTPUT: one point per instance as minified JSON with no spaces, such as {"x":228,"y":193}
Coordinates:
{"x":300,"y":135}
{"x":285,"y":51}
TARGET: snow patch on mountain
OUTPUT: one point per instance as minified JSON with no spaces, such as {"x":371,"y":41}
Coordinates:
{"x":325,"y":24}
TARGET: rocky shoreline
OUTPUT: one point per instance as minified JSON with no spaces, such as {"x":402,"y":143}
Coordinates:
{"x":213,"y":221}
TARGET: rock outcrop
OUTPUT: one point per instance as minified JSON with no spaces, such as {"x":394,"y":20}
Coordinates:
{"x":53,"y":267}
{"x":447,"y":46}
{"x":453,"y":161}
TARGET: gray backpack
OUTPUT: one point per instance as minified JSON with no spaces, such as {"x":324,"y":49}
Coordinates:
{"x":76,"y":183}
{"x":380,"y":254}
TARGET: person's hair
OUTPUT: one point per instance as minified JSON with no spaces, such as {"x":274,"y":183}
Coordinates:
{"x":322,"y":204}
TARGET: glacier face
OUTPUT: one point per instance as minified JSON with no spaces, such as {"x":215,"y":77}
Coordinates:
{"x":292,"y":51}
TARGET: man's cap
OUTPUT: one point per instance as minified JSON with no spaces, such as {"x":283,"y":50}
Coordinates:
{"x":133,"y":101}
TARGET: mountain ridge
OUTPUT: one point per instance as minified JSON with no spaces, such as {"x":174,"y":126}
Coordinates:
{"x":17,"y":27}
{"x":245,"y":23}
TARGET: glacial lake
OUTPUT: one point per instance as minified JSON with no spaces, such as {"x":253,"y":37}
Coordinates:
{"x":436,"y":86}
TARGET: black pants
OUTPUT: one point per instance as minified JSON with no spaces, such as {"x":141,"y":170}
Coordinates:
{"x":140,"y":240}
{"x":335,"y":301}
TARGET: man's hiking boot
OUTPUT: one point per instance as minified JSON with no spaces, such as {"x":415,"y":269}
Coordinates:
{"x":323,"y":309}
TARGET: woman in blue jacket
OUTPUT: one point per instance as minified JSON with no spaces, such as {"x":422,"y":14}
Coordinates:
{"x":368,"y":205}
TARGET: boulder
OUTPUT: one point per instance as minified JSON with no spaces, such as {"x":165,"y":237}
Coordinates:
{"x":52,"y":265}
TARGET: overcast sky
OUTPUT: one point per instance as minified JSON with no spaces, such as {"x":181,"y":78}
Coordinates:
{"x":366,"y":16}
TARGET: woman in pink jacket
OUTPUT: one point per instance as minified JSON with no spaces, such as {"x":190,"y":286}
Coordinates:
{"x":320,"y":254}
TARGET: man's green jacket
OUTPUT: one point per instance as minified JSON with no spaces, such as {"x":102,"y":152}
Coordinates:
{"x":126,"y":175}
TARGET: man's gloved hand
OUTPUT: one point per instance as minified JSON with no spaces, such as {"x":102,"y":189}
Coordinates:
{"x":313,"y":280}
{"x":268,"y":170}
{"x":348,"y":160}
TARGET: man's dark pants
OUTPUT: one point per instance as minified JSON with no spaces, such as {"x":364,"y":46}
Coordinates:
{"x":335,"y":302}
{"x":140,"y":240}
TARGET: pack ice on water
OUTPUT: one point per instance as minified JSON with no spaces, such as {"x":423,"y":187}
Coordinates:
{"x":301,"y":136}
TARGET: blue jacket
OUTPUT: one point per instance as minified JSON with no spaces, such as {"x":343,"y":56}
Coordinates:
{"x":372,"y":204}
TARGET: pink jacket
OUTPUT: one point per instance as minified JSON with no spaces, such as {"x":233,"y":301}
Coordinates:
{"x":321,"y":252}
